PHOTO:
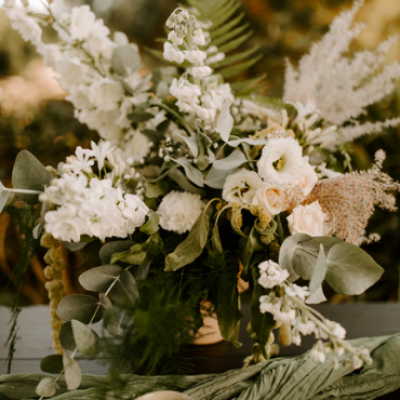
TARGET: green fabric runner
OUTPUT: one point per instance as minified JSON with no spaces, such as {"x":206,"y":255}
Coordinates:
{"x":277,"y":379}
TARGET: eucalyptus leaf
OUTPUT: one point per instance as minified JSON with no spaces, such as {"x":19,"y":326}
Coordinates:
{"x":72,"y":371}
{"x":110,"y":248}
{"x":99,"y":279}
{"x":191,"y":247}
{"x":52,"y":364}
{"x":85,"y":338}
{"x":139,"y":116}
{"x":67,"y":337}
{"x":80,"y":307}
{"x":251,"y":142}
{"x":191,"y":171}
{"x":30,"y":174}
{"x":317,"y":297}
{"x":141,"y":271}
{"x":126,"y":59}
{"x":225,"y":121}
{"x":5,"y":195}
{"x":111,"y":320}
{"x":192,"y":142}
{"x":234,"y":160}
{"x":319,"y":273}
{"x":216,"y":178}
{"x":37,"y":230}
{"x":151,"y":226}
{"x":47,"y":387}
{"x":152,"y":135}
{"x":216,"y":240}
{"x":125,"y":292}
{"x":74,"y":246}
{"x":180,"y":178}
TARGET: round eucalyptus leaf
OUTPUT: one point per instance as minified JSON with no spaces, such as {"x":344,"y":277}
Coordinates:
{"x":80,"y":307}
{"x":111,"y":320}
{"x":52,"y":364}
{"x":67,"y":337}
{"x":125,"y":292}
{"x":99,"y":279}
{"x":47,"y":387}
{"x":85,"y":339}
{"x":72,"y":371}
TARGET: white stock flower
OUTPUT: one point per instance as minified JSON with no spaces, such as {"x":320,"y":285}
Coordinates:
{"x":307,"y":219}
{"x":186,"y":93}
{"x":80,"y":162}
{"x":271,"y":274}
{"x":270,"y":303}
{"x":179,"y":211}
{"x":286,"y":315}
{"x":134,"y":210}
{"x":241,"y":186}
{"x":82,"y":19}
{"x":195,"y":56}
{"x":307,"y":179}
{"x":281,"y":161}
{"x":271,"y":198}
{"x":172,"y":53}
{"x":201,"y":71}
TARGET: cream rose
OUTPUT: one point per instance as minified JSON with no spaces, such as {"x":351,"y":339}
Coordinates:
{"x":307,"y":219}
{"x":241,"y":186}
{"x":307,"y":179}
{"x":271,"y":198}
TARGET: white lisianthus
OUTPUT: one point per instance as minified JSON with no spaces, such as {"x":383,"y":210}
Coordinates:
{"x":307,"y":179}
{"x":307,"y":219}
{"x":195,"y":56}
{"x":172,"y":53}
{"x":271,"y":198}
{"x":179,"y":211}
{"x":271,"y":274}
{"x":241,"y":186}
{"x":201,"y":71}
{"x":281,"y":161}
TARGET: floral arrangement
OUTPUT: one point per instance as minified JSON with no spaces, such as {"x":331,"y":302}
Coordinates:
{"x":199,"y":186}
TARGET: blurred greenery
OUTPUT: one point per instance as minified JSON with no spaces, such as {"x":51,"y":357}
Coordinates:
{"x":34,"y":116}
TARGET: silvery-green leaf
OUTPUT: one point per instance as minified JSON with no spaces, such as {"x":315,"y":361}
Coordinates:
{"x":141,"y":271}
{"x":225,"y":121}
{"x":67,"y":337}
{"x":74,"y":246}
{"x":180,"y":178}
{"x":85,"y":338}
{"x":319,"y":273}
{"x":191,"y":171}
{"x":30,"y":174}
{"x":317,"y":297}
{"x":52,"y":364}
{"x":99,"y":279}
{"x":140,"y":116}
{"x":5,"y":196}
{"x":152,"y":135}
{"x":216,"y":178}
{"x":155,"y":189}
{"x":216,"y":240}
{"x":110,"y":248}
{"x":125,"y":292}
{"x":37,"y":230}
{"x":235,"y":222}
{"x":80,"y":307}
{"x":47,"y":387}
{"x":234,"y":160}
{"x":252,"y":142}
{"x":126,"y":59}
{"x":72,"y":371}
{"x":151,"y":226}
{"x":111,"y":320}
{"x":192,"y":143}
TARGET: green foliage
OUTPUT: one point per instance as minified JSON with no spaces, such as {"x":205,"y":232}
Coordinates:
{"x":79,"y":307}
{"x":151,"y":225}
{"x":110,"y":248}
{"x":52,"y":364}
{"x":111,"y":320}
{"x":125,"y":292}
{"x":72,"y":371}
{"x":99,"y":279}
{"x":85,"y":338}
{"x":47,"y":387}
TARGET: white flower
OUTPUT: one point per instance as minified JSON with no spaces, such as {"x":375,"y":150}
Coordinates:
{"x":82,"y":19}
{"x":281,"y":161}
{"x":201,"y":71}
{"x":304,"y":325}
{"x":270,"y":303}
{"x":337,"y":329}
{"x":307,"y":179}
{"x":356,"y":362}
{"x":173,"y":37}
{"x":195,"y":56}
{"x":105,"y":94}
{"x":172,"y":53}
{"x":271,"y":198}
{"x":179,"y":211}
{"x":271,"y":274}
{"x":317,"y":352}
{"x":134,"y":210}
{"x":285,"y":315}
{"x":241,"y":186}
{"x":26,"y":25}
{"x":307,"y":219}
{"x":297,"y":291}
{"x":186,"y":93}
{"x":100,"y":152}
{"x":198,"y":37}
{"x":80,"y":162}
{"x":136,"y":146}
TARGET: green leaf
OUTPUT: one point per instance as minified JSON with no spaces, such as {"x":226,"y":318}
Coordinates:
{"x":80,"y":307}
{"x":216,"y":178}
{"x":52,"y":364}
{"x":47,"y":387}
{"x":244,"y":55}
{"x":67,"y":337}
{"x":234,"y":160}
{"x":227,"y":27}
{"x":110,"y":248}
{"x":155,"y":189}
{"x":85,"y":338}
{"x":111,"y":320}
{"x":236,"y":69}
{"x":235,"y":222}
{"x":224,"y":14}
{"x":251,"y":142}
{"x":192,"y":142}
{"x":225,"y":121}
{"x":191,"y":247}
{"x":71,"y":246}
{"x":5,"y":196}
{"x":229,"y":35}
{"x":153,"y":136}
{"x":125,"y":292}
{"x":317,"y":297}
{"x":350,"y":269}
{"x":191,"y":171}
{"x":216,"y":240}
{"x":228,"y":310}
{"x":126,"y":59}
{"x":233,"y":44}
{"x":72,"y":371}
{"x":30,"y":174}
{"x":99,"y":279}
{"x":37,"y":230}
{"x":319,"y":273}
{"x":151,"y":226}
{"x":180,"y":178}
{"x":139,"y":116}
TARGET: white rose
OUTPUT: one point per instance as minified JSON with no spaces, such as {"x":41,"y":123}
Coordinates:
{"x":271,"y":198}
{"x":281,"y":161}
{"x":241,"y":186}
{"x":307,"y":179}
{"x":307,"y":219}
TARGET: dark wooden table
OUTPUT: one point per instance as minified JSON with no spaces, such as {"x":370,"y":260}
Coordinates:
{"x":34,"y":340}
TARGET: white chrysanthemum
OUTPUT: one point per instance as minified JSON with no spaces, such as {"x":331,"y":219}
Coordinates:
{"x":241,"y":186}
{"x":281,"y":161}
{"x":179,"y":211}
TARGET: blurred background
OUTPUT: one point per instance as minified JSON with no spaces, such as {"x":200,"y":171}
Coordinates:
{"x":34,"y":115}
